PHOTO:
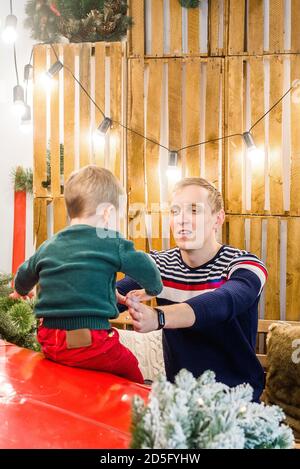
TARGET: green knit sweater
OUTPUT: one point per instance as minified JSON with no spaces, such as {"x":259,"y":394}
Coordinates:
{"x":76,"y":272}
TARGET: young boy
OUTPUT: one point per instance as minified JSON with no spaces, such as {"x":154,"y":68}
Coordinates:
{"x":76,"y":272}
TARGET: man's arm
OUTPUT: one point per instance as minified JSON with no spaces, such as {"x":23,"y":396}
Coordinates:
{"x":232,"y":299}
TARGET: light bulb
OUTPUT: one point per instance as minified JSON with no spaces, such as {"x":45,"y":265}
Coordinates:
{"x":26,"y":122}
{"x":9,"y":34}
{"x":28,"y":72}
{"x":98,"y":138}
{"x":255,"y":154}
{"x":46,"y":77}
{"x":19,"y":104}
{"x":104,"y":126}
{"x":173,"y":171}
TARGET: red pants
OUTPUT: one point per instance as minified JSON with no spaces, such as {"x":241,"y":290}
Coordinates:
{"x":106,"y":353}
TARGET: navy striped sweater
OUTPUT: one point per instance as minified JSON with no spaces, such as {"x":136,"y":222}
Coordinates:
{"x":224,"y":294}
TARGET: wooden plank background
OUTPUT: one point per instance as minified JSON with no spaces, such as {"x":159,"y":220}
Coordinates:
{"x":54,"y":129}
{"x":177,"y":86}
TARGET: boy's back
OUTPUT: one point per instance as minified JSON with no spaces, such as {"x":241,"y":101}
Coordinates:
{"x":76,"y":270}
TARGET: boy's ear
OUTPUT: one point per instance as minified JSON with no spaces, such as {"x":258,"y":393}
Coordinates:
{"x":107,"y":212}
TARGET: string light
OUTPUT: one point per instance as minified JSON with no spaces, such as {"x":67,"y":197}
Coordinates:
{"x":9,"y":34}
{"x":173,"y":171}
{"x":47,"y":77}
{"x":173,"y":155}
{"x":18,"y":96}
{"x":26,"y":122}
{"x":28,"y":73}
{"x":104,"y":126}
{"x":254,"y":153}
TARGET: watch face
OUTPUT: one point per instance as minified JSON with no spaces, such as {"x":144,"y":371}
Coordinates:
{"x":161,"y":318}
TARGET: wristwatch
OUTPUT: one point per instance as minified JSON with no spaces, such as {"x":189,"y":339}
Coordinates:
{"x":160,"y":318}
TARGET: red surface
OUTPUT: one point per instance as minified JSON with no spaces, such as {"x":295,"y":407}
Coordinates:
{"x":19,"y":230}
{"x":46,"y":405}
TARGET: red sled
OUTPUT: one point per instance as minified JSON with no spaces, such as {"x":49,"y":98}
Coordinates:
{"x":50,"y":406}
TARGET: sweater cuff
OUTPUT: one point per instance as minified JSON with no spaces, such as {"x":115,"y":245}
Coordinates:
{"x":21,"y":291}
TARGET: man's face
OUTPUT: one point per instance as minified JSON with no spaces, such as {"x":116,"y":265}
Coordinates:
{"x":191,"y":218}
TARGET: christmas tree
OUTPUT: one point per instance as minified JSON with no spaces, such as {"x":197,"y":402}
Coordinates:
{"x":202,"y":413}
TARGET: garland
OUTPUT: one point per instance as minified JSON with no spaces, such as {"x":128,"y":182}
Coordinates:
{"x":77,"y":20}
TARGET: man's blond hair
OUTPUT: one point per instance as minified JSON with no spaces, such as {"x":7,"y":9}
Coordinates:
{"x":89,"y":187}
{"x":215,"y":198}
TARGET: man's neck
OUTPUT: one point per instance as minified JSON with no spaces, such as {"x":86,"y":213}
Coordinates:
{"x":198,"y":257}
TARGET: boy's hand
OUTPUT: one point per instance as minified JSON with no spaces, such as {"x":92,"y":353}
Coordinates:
{"x":139,"y":295}
{"x":120,"y":298}
{"x":15,"y":296}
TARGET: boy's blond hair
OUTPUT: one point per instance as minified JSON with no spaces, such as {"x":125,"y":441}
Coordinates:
{"x":89,"y":187}
{"x":215,"y":198}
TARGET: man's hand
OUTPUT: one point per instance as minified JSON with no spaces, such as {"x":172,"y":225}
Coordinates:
{"x":139,"y":295}
{"x":16,"y":296}
{"x":144,"y":318}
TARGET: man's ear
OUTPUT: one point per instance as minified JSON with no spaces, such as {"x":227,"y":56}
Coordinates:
{"x":220,"y":219}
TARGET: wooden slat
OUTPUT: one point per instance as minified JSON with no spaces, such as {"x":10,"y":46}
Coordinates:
{"x":157,"y":38}
{"x":255,"y":236}
{"x":135,"y":174}
{"x":275,"y":137}
{"x":175,"y":105}
{"x":193,"y":78}
{"x":54,"y":139}
{"x":276,"y":26}
{"x":272,"y":306}
{"x":263,"y":360}
{"x":236,"y":231}
{"x":59,"y":214}
{"x":85,"y":105}
{"x":214,"y":27}
{"x":193,"y":31}
{"x":212,"y":112}
{"x":234,"y":145}
{"x":40,"y":122}
{"x":40,"y":221}
{"x":293,"y":270}
{"x":116,"y":106}
{"x":175,"y":28}
{"x":137,"y":32}
{"x":255,"y":27}
{"x":258,"y":133}
{"x":152,"y":150}
{"x":295,"y":30}
{"x":100,"y":52}
{"x":236,"y":27}
{"x":256,"y":241}
{"x":69,"y":110}
{"x":295,"y":138}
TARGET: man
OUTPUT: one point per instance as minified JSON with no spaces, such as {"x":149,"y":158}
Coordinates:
{"x":208,"y":308}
